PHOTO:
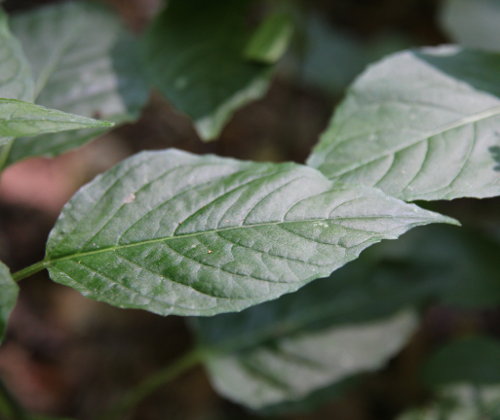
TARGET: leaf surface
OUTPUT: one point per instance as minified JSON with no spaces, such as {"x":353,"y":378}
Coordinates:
{"x":195,"y":54}
{"x":85,"y":64}
{"x":15,"y":73}
{"x":474,"y":360}
{"x":19,"y":118}
{"x":293,"y":367}
{"x":172,"y":232}
{"x":8,"y":297}
{"x":294,"y":347}
{"x":420,"y":125}
{"x":464,"y":402}
{"x":473,"y":24}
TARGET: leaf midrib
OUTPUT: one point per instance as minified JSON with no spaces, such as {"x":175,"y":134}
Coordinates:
{"x":48,"y":261}
{"x":483,"y":115}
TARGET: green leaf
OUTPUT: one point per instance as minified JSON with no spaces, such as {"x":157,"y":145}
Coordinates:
{"x":195,"y":54}
{"x":473,"y":360}
{"x":459,"y":266}
{"x":420,"y":125}
{"x":461,"y":403}
{"x":271,"y":39}
{"x":8,"y":297}
{"x":85,"y":64}
{"x":15,"y":74}
{"x":172,"y":232}
{"x":293,"y":367}
{"x":19,"y":118}
{"x":473,"y":23}
{"x":340,"y":326}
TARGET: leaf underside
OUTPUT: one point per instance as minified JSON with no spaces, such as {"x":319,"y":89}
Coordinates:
{"x":295,"y":366}
{"x":420,"y":125}
{"x":172,"y":232}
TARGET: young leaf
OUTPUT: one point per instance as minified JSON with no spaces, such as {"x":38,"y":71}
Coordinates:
{"x":420,"y":125}
{"x":271,"y":39}
{"x":84,"y":64}
{"x":8,"y":297}
{"x":19,"y":118}
{"x":473,"y":23}
{"x":474,"y":360}
{"x":195,"y":54}
{"x":296,"y":346}
{"x":172,"y":232}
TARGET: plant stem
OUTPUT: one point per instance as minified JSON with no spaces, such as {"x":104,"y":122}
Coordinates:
{"x":4,"y":154}
{"x":151,"y":384}
{"x":14,"y":411}
{"x":29,"y":271}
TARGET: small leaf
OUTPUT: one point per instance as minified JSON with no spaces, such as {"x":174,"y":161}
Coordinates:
{"x":474,"y":360}
{"x":195,"y":57}
{"x":8,"y":297}
{"x":19,"y":118}
{"x":473,"y":23}
{"x":420,"y":125}
{"x":85,"y":64}
{"x":271,"y":39}
{"x":172,"y":232}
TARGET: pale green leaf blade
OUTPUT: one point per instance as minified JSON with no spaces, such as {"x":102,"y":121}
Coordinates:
{"x":172,"y":232}
{"x":340,"y":326}
{"x":19,"y":118}
{"x":473,"y":23}
{"x":16,"y":80}
{"x":195,"y":54}
{"x":463,"y":402}
{"x":85,"y":64}
{"x":421,"y":125}
{"x":8,"y":297}
{"x":293,"y":367}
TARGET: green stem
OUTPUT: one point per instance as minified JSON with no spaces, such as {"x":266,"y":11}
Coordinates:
{"x":5,"y":153}
{"x":9,"y":406}
{"x":133,"y":397}
{"x":29,"y":271}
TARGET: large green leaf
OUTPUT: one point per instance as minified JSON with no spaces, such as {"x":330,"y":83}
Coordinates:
{"x":85,"y":64}
{"x":317,"y":337}
{"x":19,"y":118}
{"x":473,"y":23}
{"x":8,"y":297}
{"x":474,"y":360}
{"x":177,"y":233}
{"x":293,"y":367}
{"x":421,"y":124}
{"x":195,"y":54}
